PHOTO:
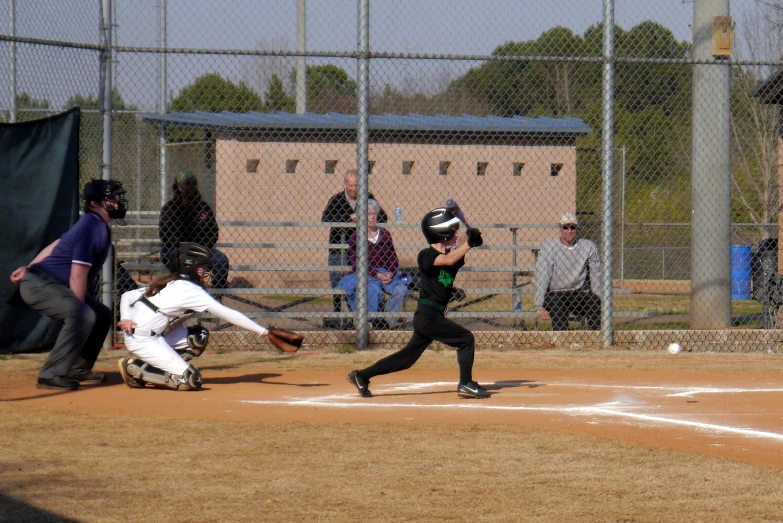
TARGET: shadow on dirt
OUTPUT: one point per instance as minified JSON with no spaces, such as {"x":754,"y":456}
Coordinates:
{"x":261,"y":377}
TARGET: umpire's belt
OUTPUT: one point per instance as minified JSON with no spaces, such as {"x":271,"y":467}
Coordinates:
{"x":38,"y":272}
{"x":433,"y":304}
{"x":144,"y":332}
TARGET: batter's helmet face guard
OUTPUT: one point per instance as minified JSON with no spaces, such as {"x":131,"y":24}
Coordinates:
{"x":439,"y":225}
{"x":103,"y":190}
{"x":190,"y":257}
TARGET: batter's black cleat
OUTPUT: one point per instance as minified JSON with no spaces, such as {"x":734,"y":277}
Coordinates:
{"x":363,"y":386}
{"x":57,"y":383}
{"x":472,"y":390}
{"x":129,"y":380}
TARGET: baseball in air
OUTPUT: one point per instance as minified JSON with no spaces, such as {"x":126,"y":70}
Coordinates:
{"x":675,"y":348}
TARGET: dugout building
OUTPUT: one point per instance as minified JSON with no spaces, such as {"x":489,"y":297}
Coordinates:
{"x":269,"y":176}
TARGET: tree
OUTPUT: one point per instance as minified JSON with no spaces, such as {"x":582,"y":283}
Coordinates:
{"x":92,"y":102}
{"x":641,"y":85}
{"x":329,"y":88}
{"x":276,"y":99}
{"x":91,"y":132}
{"x":754,"y":126}
{"x":25,"y":101}
{"x":526,"y":86}
{"x":212,"y":93}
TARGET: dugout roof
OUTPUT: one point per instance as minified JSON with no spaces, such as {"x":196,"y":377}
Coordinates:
{"x":255,"y":122}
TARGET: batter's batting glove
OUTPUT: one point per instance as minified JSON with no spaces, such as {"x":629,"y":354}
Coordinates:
{"x":474,"y":238}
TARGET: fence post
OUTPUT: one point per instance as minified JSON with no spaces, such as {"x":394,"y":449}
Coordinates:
{"x":301,"y":60}
{"x":107,"y":271}
{"x":607,"y":170}
{"x":12,"y":23}
{"x":162,"y":100}
{"x":711,"y":178}
{"x":362,"y":155}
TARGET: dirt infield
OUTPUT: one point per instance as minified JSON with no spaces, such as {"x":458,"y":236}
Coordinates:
{"x":724,"y":407}
{"x":736,"y":416}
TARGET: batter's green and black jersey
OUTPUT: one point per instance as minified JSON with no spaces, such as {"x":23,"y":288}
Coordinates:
{"x":436,"y":282}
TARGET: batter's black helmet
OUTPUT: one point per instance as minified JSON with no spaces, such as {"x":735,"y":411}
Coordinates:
{"x":99,"y":190}
{"x":439,"y":225}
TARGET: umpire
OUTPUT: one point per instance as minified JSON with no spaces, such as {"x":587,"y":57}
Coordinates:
{"x":57,"y":284}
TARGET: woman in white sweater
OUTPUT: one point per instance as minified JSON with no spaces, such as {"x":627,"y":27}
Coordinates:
{"x":151,"y":320}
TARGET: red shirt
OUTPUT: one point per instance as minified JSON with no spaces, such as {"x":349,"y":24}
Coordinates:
{"x":381,"y":254}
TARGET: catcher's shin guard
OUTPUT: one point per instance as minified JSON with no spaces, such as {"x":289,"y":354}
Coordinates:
{"x":198,"y":338}
{"x":189,"y":380}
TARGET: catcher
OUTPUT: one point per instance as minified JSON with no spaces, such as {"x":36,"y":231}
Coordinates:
{"x":151,"y":320}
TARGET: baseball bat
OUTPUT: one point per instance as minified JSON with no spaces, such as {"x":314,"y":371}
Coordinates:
{"x":453,"y":207}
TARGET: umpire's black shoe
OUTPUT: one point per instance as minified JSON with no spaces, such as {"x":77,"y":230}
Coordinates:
{"x":58,"y":383}
{"x":87,"y":375}
{"x":363,"y":386}
{"x":472,"y":390}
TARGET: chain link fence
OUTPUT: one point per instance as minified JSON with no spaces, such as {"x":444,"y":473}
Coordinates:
{"x":239,"y":126}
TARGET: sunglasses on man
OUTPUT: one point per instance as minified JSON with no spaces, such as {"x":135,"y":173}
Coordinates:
{"x":568,"y":227}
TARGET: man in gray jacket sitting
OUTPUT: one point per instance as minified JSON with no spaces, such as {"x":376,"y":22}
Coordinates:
{"x":562,"y":284}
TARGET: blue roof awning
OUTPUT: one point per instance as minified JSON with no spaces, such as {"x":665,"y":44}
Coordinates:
{"x":466,"y":123}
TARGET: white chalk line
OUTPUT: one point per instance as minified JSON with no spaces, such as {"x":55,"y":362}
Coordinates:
{"x":338,"y":401}
{"x":678,"y":390}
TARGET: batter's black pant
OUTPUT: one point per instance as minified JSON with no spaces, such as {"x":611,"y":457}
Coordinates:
{"x":85,"y":324}
{"x":561,"y":304}
{"x":429,"y":325}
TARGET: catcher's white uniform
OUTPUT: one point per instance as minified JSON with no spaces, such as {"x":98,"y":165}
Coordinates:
{"x":172,"y":302}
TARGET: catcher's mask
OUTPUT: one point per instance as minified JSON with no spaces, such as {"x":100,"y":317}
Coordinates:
{"x":102,"y":190}
{"x":191,"y":256}
{"x":439,"y":225}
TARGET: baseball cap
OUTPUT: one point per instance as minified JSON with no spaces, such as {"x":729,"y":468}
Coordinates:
{"x":569,"y":218}
{"x":185,"y":176}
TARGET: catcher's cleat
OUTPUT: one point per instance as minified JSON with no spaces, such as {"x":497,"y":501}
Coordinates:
{"x":129,"y":380}
{"x":472,"y":390}
{"x":363,"y":386}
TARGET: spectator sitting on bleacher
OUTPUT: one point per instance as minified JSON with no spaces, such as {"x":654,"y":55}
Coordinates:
{"x":562,"y":287}
{"x":382,"y":264}
{"x":342,"y":209}
{"x":188,"y":218}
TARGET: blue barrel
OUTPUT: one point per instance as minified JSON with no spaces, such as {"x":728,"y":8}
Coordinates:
{"x":740,"y":272}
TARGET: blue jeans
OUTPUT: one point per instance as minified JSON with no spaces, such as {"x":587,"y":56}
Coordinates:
{"x":397,"y":290}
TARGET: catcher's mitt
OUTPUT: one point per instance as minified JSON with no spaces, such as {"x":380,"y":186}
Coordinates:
{"x":284,"y":340}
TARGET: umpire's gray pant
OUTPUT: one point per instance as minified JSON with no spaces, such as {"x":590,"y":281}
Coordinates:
{"x":85,"y":324}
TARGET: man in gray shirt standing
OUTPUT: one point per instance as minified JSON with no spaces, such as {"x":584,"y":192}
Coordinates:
{"x":562,"y":271}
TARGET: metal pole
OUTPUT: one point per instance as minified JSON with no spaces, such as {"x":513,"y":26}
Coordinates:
{"x":362,"y":154}
{"x":622,"y":228}
{"x":107,"y":271}
{"x":12,"y":22}
{"x":139,"y":174}
{"x":162,"y":101}
{"x":663,"y":263}
{"x":711,"y":177}
{"x":301,"y":60}
{"x":607,"y":173}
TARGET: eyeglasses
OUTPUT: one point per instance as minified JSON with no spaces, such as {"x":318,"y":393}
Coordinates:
{"x":568,"y":227}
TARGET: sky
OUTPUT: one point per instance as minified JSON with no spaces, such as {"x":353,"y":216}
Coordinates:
{"x":469,"y":27}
